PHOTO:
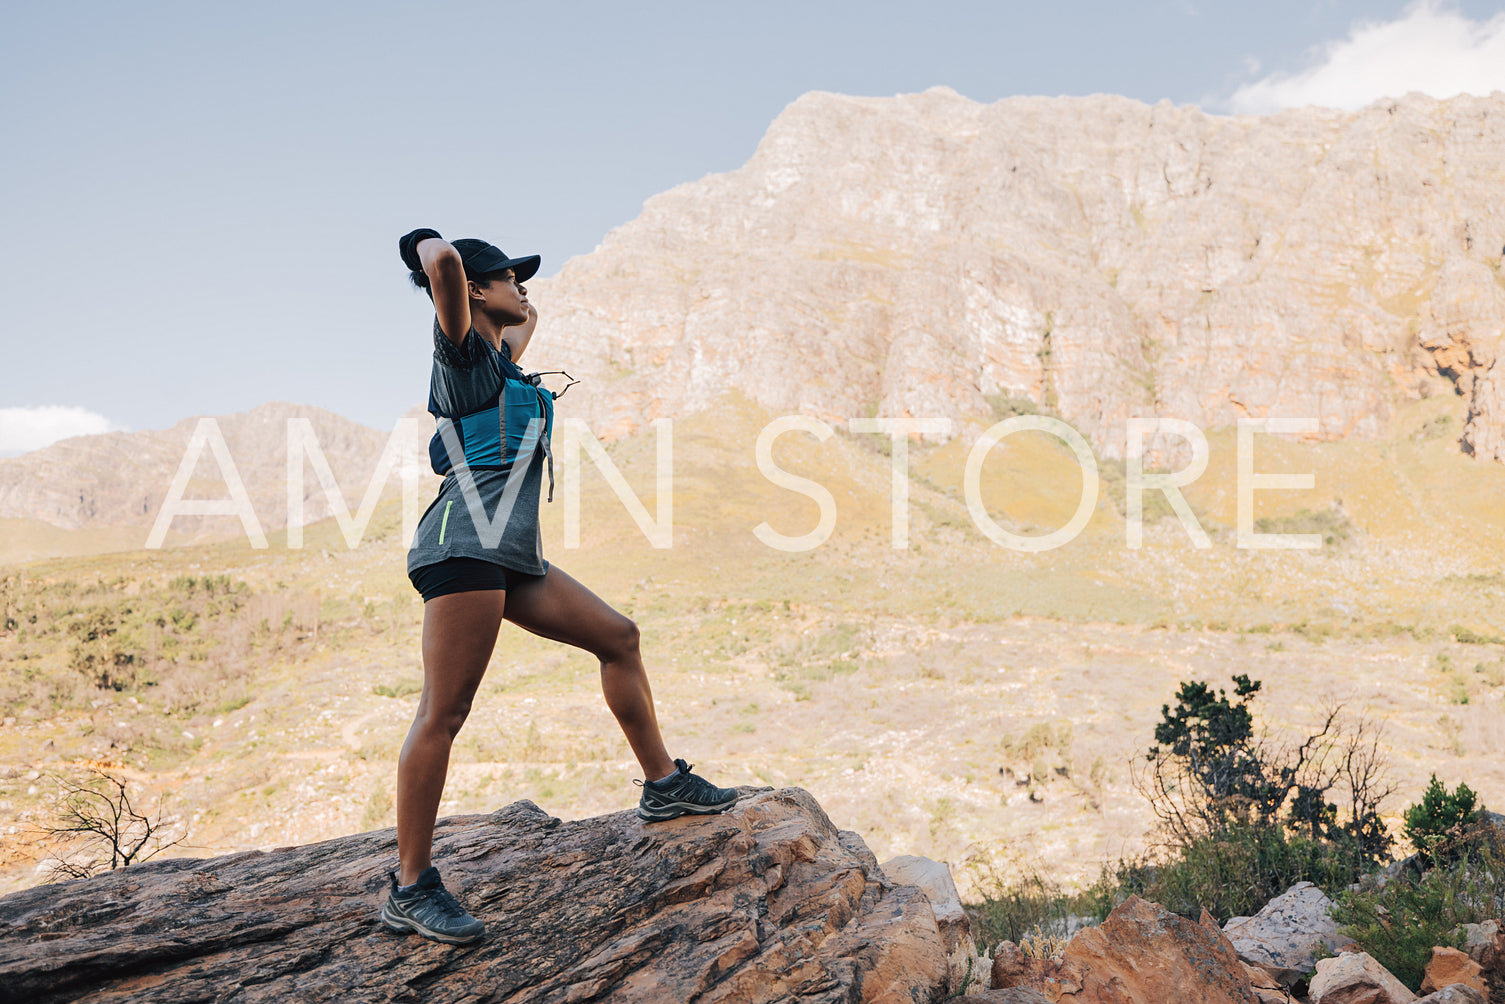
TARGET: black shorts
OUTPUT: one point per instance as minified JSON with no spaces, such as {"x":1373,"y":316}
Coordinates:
{"x":464,"y":575}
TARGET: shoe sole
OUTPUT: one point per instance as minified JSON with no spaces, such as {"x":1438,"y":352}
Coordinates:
{"x":403,"y":925}
{"x":676,"y":809}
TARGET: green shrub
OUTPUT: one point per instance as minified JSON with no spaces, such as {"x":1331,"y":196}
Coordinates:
{"x":1232,"y":873}
{"x":1440,"y":817}
{"x":1242,"y":818}
{"x":1332,"y":524}
{"x":1467,"y":636}
{"x":1209,"y":774}
{"x":1400,"y":922}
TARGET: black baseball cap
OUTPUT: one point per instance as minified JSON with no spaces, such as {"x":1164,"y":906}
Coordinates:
{"x":481,"y":258}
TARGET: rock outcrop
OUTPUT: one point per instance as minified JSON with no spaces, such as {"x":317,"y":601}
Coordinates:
{"x":769,"y":902}
{"x":1485,"y":944}
{"x":1266,"y":989}
{"x":1484,"y":436}
{"x":1284,"y":937}
{"x":1013,"y":969}
{"x":1143,"y":952}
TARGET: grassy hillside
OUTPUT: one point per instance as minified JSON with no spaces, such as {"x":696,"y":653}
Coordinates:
{"x":955,"y":699}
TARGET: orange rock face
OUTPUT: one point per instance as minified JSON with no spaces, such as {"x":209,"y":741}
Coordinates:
{"x":1449,"y":966}
{"x":1144,"y":954}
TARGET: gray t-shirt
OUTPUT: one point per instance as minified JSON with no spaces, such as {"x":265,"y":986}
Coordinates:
{"x":492,"y":445}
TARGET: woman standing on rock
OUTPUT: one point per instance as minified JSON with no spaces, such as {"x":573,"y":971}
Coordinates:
{"x":477,"y":560}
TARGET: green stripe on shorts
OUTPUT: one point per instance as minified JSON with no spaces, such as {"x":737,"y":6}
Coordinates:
{"x":445,"y":525}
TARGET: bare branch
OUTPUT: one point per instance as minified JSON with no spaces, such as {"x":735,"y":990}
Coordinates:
{"x":96,"y":820}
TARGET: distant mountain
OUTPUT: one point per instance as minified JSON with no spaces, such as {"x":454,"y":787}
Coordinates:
{"x":929,"y":255}
{"x":120,"y":479}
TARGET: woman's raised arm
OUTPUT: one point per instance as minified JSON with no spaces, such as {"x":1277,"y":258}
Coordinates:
{"x":446,"y":275}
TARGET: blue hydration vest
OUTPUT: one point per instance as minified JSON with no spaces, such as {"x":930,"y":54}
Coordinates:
{"x":521,"y":401}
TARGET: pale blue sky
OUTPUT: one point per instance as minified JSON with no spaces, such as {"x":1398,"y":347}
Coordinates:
{"x":203,"y":199}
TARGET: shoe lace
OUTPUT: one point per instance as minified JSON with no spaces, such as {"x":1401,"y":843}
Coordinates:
{"x":440,"y":899}
{"x":700,"y":786}
{"x":449,"y":904}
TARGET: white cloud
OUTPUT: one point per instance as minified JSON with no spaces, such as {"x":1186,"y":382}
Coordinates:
{"x":1430,"y":48}
{"x":23,"y":429}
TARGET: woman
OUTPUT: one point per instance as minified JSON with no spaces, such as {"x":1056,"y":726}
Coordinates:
{"x":477,"y":559}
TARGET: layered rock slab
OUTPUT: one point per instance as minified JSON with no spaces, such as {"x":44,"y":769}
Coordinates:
{"x":768,"y":902}
{"x":934,"y":877}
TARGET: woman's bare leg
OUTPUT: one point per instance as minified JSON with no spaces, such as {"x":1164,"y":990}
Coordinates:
{"x":556,"y":606}
{"x":459,"y":633}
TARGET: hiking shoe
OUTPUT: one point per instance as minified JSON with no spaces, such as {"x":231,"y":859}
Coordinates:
{"x":681,"y":793}
{"x":428,"y":908}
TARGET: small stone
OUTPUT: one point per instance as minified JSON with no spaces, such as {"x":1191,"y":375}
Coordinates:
{"x":1459,"y":993}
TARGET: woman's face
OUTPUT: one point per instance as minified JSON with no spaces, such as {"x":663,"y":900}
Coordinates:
{"x":504,"y":300}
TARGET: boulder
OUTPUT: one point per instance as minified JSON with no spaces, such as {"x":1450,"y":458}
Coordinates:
{"x":767,"y":902}
{"x":1144,"y":954}
{"x":1013,"y":995}
{"x":1283,"y":938}
{"x":1448,"y":967}
{"x":1485,"y":944}
{"x":1459,"y":993}
{"x":1355,"y":978}
{"x":934,"y":878}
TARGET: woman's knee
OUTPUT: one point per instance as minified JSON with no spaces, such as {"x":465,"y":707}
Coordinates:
{"x":443,"y":719}
{"x":621,"y":641}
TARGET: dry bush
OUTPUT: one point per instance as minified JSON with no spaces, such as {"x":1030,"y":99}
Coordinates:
{"x":97,"y":827}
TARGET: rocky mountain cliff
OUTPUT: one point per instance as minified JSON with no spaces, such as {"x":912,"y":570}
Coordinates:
{"x":919,"y":255}
{"x":927,"y":255}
